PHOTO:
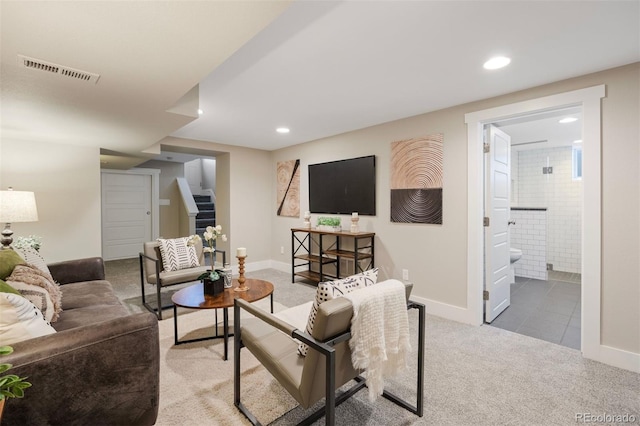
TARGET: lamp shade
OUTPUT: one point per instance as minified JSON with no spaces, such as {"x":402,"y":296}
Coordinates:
{"x":18,"y":206}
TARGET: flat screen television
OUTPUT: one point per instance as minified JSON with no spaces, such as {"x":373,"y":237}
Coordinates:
{"x":344,"y":186}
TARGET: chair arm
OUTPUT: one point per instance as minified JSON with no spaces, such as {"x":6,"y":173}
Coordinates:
{"x":103,"y":373}
{"x":153,"y":259}
{"x":144,"y":274}
{"x":72,"y":271}
{"x":323,"y":347}
{"x":224,"y":256}
{"x":264,"y":316}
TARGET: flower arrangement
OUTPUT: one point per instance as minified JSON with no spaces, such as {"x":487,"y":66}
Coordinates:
{"x":211,"y":234}
{"x":30,"y":241}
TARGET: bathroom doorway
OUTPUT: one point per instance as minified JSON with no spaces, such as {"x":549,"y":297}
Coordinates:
{"x":545,"y":224}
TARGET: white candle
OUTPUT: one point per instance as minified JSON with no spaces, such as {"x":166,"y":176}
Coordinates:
{"x":354,"y":214}
{"x":241,"y":252}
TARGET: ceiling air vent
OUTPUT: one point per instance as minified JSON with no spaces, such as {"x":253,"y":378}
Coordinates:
{"x":38,"y":64}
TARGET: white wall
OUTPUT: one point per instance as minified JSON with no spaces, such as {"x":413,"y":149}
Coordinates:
{"x":529,"y":234}
{"x":209,"y":173}
{"x":433,"y":254}
{"x":66,"y":182}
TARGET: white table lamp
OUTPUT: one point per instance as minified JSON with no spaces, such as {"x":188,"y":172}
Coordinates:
{"x":16,"y":206}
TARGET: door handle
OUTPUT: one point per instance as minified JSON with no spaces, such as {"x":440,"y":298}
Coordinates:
{"x":148,"y":213}
{"x":511,"y":222}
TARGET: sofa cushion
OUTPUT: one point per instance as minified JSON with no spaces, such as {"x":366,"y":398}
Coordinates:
{"x":329,"y":290}
{"x":88,"y":302}
{"x":88,"y":315}
{"x":20,"y":320}
{"x":178,"y":254}
{"x":39,"y":288}
{"x":8,"y":260}
{"x":88,"y":293}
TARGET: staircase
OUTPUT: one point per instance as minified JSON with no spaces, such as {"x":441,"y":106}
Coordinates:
{"x":206,"y":215}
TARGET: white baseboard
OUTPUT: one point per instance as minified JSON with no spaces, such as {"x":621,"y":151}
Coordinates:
{"x":617,"y":358}
{"x":253,"y":266}
{"x":444,"y":310}
{"x":281,"y":266}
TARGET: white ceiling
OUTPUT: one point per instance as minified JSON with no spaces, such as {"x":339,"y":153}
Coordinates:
{"x":149,"y":54}
{"x":544,"y":130}
{"x":320,"y":68}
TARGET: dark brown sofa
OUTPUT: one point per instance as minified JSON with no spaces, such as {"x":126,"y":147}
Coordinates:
{"x":100,"y":368}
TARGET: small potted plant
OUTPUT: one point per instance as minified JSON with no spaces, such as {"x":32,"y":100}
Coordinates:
{"x":330,"y":224}
{"x":212,"y":282}
{"x":11,"y":386}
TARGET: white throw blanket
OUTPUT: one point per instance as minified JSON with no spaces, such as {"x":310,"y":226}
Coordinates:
{"x":379,"y":332}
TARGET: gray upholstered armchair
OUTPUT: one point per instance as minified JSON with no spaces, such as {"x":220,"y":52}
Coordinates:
{"x":327,"y":365}
{"x":152,"y":272}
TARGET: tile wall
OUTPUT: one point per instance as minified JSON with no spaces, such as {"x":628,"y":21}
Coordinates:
{"x":529,"y":234}
{"x":559,"y":194}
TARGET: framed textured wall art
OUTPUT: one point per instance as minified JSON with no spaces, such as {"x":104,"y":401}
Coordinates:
{"x":288,"y":176}
{"x":416,"y":180}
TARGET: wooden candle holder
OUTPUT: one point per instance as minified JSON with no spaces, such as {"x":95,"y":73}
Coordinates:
{"x":241,"y":278}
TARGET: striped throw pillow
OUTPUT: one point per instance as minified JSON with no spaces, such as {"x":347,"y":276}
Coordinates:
{"x":177,"y":254}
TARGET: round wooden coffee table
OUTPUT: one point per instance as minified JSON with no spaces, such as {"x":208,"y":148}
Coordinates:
{"x":193,"y":297}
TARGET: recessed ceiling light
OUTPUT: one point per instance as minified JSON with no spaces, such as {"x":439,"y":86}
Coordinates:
{"x":568,"y":120}
{"x":497,"y":62}
{"x":578,"y":141}
{"x":200,"y":112}
{"x":282,"y":130}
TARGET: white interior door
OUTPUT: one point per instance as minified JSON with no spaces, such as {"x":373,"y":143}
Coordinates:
{"x":126,"y":214}
{"x":497,"y":209}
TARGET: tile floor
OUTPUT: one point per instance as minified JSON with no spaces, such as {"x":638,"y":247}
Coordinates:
{"x":547,"y":310}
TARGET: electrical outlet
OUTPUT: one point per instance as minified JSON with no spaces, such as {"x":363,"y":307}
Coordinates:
{"x":281,"y":249}
{"x":405,"y":274}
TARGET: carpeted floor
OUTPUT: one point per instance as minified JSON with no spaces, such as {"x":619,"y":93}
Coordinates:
{"x":473,"y":375}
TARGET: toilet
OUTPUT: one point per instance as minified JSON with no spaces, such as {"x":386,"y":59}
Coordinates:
{"x":514,"y":255}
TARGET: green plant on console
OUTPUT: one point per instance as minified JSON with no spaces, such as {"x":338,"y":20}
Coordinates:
{"x":11,"y":386}
{"x":329,"y":221}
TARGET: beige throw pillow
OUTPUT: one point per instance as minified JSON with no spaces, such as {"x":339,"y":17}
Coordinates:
{"x":20,"y":320}
{"x":39,"y":288}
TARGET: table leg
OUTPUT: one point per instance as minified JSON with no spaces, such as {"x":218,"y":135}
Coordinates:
{"x":175,"y":324}
{"x":226,"y":332}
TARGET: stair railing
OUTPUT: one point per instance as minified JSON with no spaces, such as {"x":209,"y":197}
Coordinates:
{"x":189,"y":210}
